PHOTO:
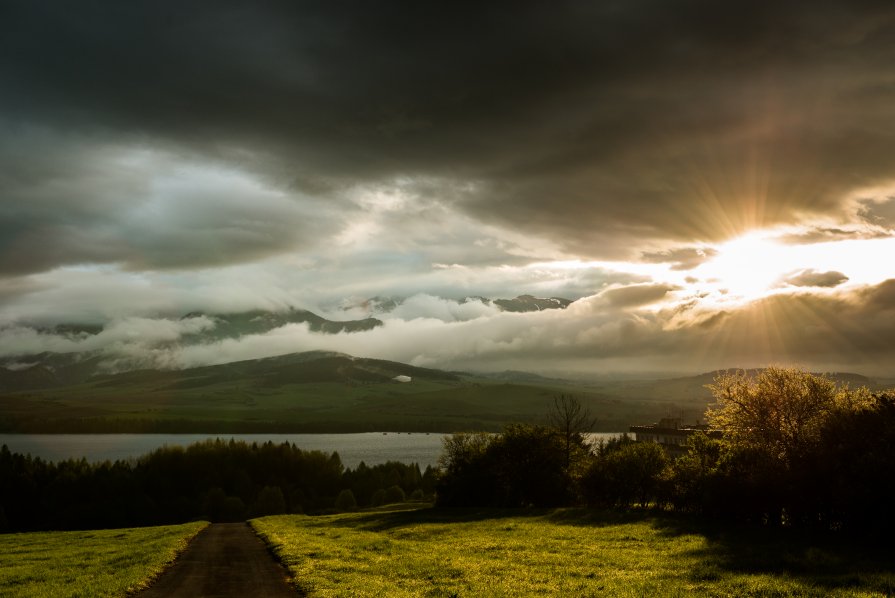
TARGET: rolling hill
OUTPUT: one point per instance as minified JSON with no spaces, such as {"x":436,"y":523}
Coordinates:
{"x":321,"y":391}
{"x":311,"y":392}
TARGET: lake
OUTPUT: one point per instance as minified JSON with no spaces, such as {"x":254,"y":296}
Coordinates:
{"x":370,"y":447}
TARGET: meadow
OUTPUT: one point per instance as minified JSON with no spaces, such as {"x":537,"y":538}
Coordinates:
{"x":566,"y":552}
{"x":112,"y":562}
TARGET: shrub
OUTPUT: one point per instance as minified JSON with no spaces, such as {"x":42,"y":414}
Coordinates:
{"x":634,"y":472}
{"x":378,"y":498}
{"x":394,"y":494}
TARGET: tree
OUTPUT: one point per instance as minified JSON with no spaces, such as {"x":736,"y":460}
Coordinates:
{"x":522,"y":466}
{"x":780,"y":410}
{"x":627,"y":473}
{"x":571,"y":420}
{"x":854,"y":467}
{"x":527,"y":464}
{"x":270,"y":502}
{"x":346,"y":501}
{"x":466,"y":477}
{"x":394,"y":494}
{"x":780,"y":427}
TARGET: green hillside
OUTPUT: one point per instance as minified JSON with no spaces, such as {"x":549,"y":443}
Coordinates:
{"x":307,"y":392}
{"x":321,"y":391}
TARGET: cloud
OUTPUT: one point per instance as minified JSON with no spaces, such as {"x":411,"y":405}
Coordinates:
{"x":813,"y":278}
{"x":843,"y":330}
{"x":445,"y":310}
{"x":135,"y":337}
{"x":582,"y":125}
{"x":685,"y":258}
{"x":879,"y":210}
{"x":831,"y":234}
{"x":75,"y":201}
{"x":846,"y":329}
{"x":94,"y":294}
{"x":635,"y":295}
{"x":157,"y":159}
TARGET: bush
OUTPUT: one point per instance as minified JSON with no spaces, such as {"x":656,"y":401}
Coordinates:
{"x":634,"y":472}
{"x":394,"y":494}
{"x":378,"y":498}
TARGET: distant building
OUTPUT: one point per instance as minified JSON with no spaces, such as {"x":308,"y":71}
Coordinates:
{"x":402,"y":378}
{"x":671,"y":434}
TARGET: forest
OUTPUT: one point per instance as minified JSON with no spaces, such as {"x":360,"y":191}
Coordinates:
{"x":214,"y":480}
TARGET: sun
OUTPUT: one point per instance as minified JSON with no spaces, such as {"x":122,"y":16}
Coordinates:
{"x":748,"y":267}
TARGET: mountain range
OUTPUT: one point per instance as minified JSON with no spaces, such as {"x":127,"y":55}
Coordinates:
{"x":33,"y":370}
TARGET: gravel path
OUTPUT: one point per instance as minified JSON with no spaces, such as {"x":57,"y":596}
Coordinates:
{"x":225,"y":559}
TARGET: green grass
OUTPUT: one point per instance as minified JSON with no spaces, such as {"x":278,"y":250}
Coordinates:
{"x":90,"y":563}
{"x":561,"y":553}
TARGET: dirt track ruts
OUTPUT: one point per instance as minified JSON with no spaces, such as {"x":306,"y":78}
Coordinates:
{"x":224,"y":559}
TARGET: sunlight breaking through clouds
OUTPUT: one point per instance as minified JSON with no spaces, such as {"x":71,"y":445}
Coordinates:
{"x":567,"y":151}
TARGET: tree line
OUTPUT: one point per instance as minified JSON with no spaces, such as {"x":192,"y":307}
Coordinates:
{"x":791,"y":448}
{"x":215,"y":480}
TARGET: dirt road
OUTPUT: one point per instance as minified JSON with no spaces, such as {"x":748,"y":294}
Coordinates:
{"x":225,"y":559}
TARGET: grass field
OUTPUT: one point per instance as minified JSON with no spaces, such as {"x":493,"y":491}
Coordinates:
{"x":89,"y":564}
{"x":437,"y":553}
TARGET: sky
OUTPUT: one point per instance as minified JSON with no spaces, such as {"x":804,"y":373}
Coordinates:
{"x":713,"y":183}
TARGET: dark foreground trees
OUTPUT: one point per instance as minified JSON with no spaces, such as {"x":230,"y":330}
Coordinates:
{"x":523,"y":466}
{"x":794,"y":449}
{"x":216,"y":480}
{"x":797,"y":450}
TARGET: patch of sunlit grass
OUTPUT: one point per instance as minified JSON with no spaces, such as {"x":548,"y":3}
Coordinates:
{"x":558,"y":553}
{"x":112,"y":562}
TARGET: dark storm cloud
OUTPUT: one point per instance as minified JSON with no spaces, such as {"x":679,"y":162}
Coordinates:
{"x":597,"y":125}
{"x":73,"y":199}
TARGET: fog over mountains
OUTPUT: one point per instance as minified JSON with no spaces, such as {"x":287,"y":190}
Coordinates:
{"x":40,"y":355}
